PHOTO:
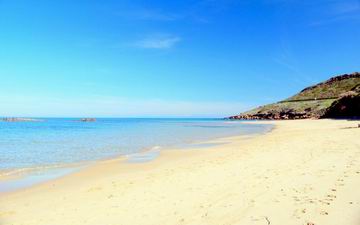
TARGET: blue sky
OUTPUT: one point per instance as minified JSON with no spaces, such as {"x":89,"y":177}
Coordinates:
{"x":184,"y":58}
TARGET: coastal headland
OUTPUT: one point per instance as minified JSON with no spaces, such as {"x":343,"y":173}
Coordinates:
{"x":337,"y":97}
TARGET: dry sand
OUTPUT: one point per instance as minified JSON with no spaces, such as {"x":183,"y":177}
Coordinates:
{"x":303,"y":172}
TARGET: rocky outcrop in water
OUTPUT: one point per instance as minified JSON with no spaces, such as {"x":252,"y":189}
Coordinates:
{"x":17,"y":119}
{"x":88,"y":120}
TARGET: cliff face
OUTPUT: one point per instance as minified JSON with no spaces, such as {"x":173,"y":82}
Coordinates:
{"x":345,"y":107}
{"x":337,"y":97}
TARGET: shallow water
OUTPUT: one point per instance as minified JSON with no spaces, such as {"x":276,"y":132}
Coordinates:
{"x":35,"y":152}
{"x":59,"y":141}
{"x":35,"y":177}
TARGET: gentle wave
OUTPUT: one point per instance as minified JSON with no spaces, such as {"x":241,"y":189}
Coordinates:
{"x":54,"y":142}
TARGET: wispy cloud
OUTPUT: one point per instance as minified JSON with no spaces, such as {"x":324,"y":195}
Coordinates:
{"x":345,"y":7}
{"x":149,"y":14}
{"x":196,"y":12}
{"x":338,"y":11}
{"x":323,"y":12}
{"x":335,"y":19}
{"x":288,"y":60}
{"x":157,"y":42}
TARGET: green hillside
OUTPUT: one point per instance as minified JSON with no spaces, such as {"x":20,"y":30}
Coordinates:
{"x":312,"y":102}
{"x":332,"y":88}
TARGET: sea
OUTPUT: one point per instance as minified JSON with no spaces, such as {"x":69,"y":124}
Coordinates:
{"x":54,"y":142}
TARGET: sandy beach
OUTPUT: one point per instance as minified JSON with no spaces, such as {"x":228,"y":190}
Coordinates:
{"x":302,"y":172}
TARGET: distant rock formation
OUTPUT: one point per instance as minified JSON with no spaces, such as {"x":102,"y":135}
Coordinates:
{"x":88,"y":120}
{"x":338,"y":97}
{"x":17,"y":119}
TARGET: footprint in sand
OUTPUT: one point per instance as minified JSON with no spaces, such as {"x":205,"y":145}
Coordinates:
{"x":298,"y":213}
{"x":110,"y":196}
{"x":331,"y":196}
{"x":324,"y":213}
{"x":204,"y":215}
{"x":94,"y":189}
{"x":325,"y":202}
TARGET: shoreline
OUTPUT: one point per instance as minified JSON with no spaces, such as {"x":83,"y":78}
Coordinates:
{"x":301,"y":172}
{"x":32,"y":176}
{"x":74,"y":169}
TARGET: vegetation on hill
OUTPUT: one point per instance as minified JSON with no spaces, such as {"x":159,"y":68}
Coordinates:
{"x":336,"y":97}
{"x":332,"y":88}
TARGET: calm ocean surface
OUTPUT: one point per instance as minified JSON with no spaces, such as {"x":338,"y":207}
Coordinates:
{"x":59,"y":141}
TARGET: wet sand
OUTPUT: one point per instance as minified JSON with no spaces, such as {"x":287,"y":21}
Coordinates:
{"x":302,"y":172}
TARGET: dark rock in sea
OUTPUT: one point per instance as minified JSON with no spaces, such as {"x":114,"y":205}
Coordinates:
{"x":338,"y":97}
{"x":17,"y":119}
{"x":88,"y":120}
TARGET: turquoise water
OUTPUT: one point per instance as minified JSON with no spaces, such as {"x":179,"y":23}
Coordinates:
{"x":62,"y":141}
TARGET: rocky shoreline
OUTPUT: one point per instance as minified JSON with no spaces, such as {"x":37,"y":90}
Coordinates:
{"x":283,"y":115}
